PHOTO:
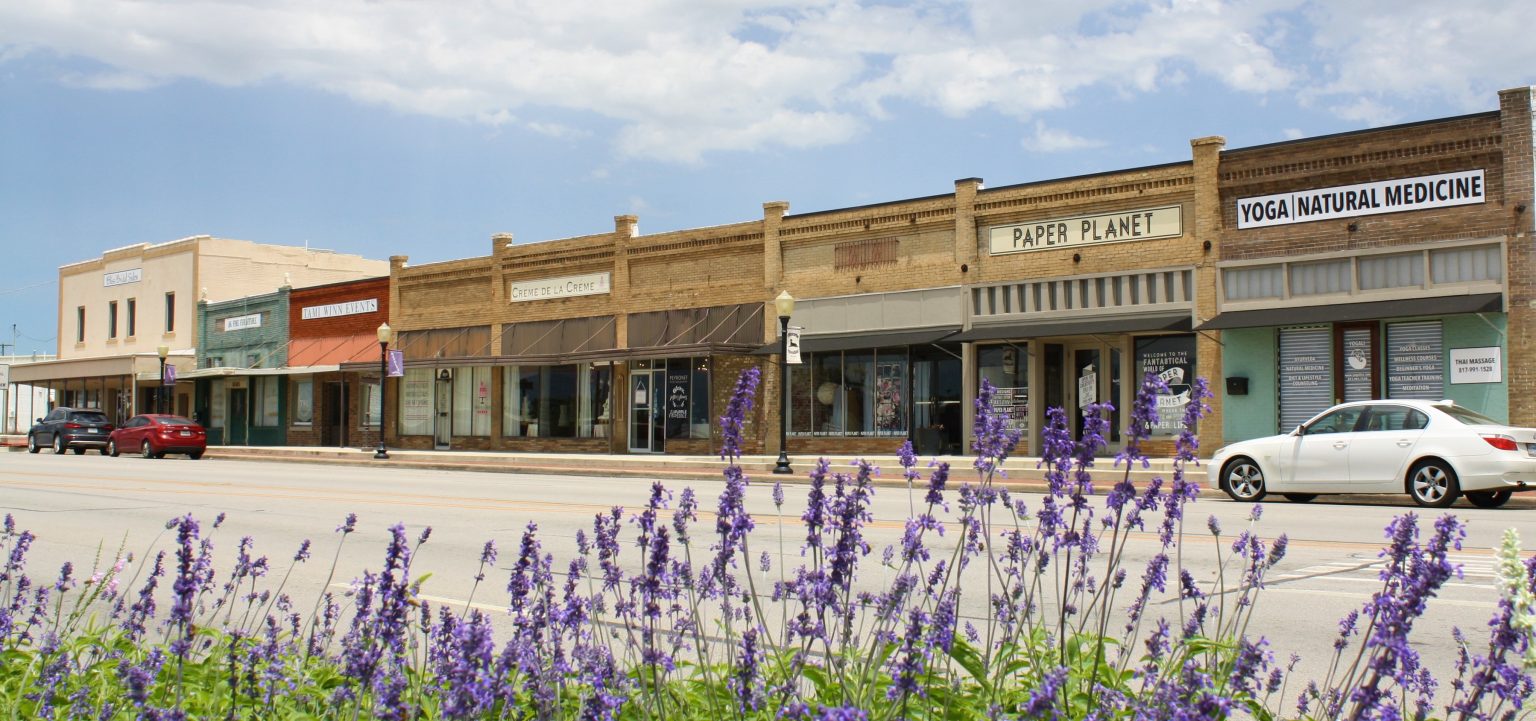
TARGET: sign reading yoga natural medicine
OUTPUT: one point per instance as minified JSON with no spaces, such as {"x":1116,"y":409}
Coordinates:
{"x":1146,"y":224}
{"x":563,"y":287}
{"x":1476,"y":365}
{"x":1347,"y":201}
{"x":351,"y":307}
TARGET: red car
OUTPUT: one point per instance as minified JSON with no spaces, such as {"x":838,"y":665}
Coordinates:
{"x":153,"y":435}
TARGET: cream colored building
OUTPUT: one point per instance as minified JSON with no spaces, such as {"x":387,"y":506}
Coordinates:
{"x":117,"y":310}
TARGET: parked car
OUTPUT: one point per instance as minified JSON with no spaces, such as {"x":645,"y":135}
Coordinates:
{"x":1433,"y":451}
{"x":153,"y":435}
{"x":74,"y":429}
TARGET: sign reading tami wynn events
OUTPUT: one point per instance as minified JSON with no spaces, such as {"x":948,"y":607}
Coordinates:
{"x":1347,"y":201}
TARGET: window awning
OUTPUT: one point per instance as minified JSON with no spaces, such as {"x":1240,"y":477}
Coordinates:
{"x":229,"y":371}
{"x":884,"y":339}
{"x":1344,"y":312}
{"x":1042,"y":329}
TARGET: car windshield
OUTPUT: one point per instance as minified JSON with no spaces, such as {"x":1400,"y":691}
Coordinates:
{"x":1471,"y":418}
{"x":88,"y":418}
{"x":174,"y":421}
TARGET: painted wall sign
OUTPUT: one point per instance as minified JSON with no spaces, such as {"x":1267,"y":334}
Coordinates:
{"x":241,"y":322}
{"x":1144,"y":224}
{"x":121,"y":277}
{"x":1347,"y":201}
{"x":1477,"y":365}
{"x":564,"y":287}
{"x":351,"y":307}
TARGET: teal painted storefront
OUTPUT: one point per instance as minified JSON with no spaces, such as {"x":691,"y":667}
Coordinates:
{"x":1253,"y":354}
{"x":241,"y":388}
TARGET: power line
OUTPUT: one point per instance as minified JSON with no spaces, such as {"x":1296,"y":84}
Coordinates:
{"x":11,"y":291}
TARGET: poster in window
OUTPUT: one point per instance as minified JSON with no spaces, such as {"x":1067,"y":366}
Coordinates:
{"x":1172,"y":359}
{"x":1415,"y":361}
{"x":890,"y":399}
{"x":1357,"y":364}
{"x":676,"y":401}
{"x":1012,"y":405}
{"x":416,"y":402}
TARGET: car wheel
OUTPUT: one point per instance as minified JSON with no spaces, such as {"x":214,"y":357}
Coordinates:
{"x":1299,"y":497}
{"x":1243,"y":480}
{"x":58,"y":445}
{"x":78,"y":451}
{"x":32,"y":444}
{"x":146,"y":451}
{"x":1489,"y":499}
{"x":111,"y":448}
{"x":1433,"y":484}
{"x":195,"y":455}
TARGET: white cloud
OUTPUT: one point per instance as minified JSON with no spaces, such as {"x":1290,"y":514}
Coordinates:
{"x":1048,"y":140}
{"x":681,"y":79}
{"x":1292,"y":133}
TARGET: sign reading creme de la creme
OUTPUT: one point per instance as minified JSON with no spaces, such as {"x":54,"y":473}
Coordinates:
{"x":1347,"y":201}
{"x":1087,"y":229}
{"x":564,"y":287}
{"x":351,"y":307}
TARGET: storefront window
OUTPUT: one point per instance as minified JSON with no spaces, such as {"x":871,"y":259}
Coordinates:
{"x":472,"y":401}
{"x":304,"y":402}
{"x":1172,"y":358}
{"x":562,"y":401}
{"x":861,"y":393}
{"x":265,"y":396}
{"x":1416,"y":360}
{"x":372,"y":404}
{"x":698,"y":413}
{"x":216,"y":402}
{"x":416,"y":402}
{"x":1006,"y":367}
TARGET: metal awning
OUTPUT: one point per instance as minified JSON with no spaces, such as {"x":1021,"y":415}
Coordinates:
{"x":1043,"y":329}
{"x":1344,"y":312}
{"x":857,"y":341}
{"x":228,"y":372}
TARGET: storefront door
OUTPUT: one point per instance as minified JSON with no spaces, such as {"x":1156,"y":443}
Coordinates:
{"x":332,"y":424}
{"x":237,"y":417}
{"x":1081,"y":373}
{"x":442,"y":428}
{"x":647,"y":424}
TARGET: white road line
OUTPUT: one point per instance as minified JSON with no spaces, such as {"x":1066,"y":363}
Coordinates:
{"x":1363,"y":597}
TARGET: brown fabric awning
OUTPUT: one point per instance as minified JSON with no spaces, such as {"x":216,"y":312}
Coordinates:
{"x":1344,"y":312}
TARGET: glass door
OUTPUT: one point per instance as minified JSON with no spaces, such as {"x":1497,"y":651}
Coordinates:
{"x":647,"y":424}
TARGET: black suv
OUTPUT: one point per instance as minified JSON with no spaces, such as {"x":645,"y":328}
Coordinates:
{"x":76,"y":428}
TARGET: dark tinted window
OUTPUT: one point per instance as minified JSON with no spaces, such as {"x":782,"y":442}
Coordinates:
{"x":1394,"y":418}
{"x":174,"y":421}
{"x":1467,"y":417}
{"x":1340,"y":421}
{"x":88,"y":417}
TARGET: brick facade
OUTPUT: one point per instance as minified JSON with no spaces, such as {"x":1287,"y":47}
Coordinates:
{"x":455,"y":313}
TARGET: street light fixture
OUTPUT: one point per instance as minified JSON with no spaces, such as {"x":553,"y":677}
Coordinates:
{"x":785,"y":304}
{"x":385,"y":334}
{"x":164,"y":351}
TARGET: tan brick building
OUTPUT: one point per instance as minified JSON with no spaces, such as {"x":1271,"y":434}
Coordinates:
{"x":1059,"y":293}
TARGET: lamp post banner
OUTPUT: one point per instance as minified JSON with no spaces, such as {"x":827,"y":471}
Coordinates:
{"x":792,"y":346}
{"x":168,"y":377}
{"x":396,"y":364}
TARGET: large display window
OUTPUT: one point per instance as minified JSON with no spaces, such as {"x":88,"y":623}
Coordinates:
{"x":898,"y":392}
{"x":1171,"y":358}
{"x":558,"y":401}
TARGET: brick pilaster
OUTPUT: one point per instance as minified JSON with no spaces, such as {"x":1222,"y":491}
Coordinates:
{"x":1207,"y":227}
{"x":1515,"y":126}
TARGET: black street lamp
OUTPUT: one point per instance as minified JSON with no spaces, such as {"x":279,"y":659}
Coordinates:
{"x":164,"y":351}
{"x":384,"y":336}
{"x":785,"y":304}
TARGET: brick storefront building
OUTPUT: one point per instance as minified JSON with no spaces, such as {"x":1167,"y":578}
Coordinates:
{"x":333,"y":335}
{"x":1058,"y":292}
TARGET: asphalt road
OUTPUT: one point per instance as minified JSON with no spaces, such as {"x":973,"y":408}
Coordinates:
{"x":84,"y":506}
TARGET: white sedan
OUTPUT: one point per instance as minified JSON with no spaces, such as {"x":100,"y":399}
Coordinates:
{"x":1433,"y":451}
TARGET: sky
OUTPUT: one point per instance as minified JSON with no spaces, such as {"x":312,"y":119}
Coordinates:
{"x":385,"y":127}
